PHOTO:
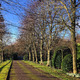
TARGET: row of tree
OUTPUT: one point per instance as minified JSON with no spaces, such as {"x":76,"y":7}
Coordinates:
{"x":43,"y":24}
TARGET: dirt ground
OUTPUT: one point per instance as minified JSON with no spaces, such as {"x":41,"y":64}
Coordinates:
{"x":23,"y":71}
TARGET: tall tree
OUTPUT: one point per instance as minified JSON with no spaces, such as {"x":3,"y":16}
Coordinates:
{"x":68,"y":16}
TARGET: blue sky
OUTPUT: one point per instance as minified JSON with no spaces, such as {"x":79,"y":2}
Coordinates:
{"x":11,"y":18}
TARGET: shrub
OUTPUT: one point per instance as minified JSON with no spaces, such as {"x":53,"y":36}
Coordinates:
{"x":56,"y":59}
{"x":58,"y":56}
{"x":25,"y":57}
{"x":53,"y":59}
{"x":67,"y":63}
{"x":78,"y":51}
{"x":66,"y":52}
{"x":15,"y":56}
{"x":78,"y":63}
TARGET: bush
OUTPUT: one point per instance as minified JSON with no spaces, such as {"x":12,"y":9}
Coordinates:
{"x":25,"y":57}
{"x":53,"y":59}
{"x":15,"y":56}
{"x":56,"y":59}
{"x":58,"y":56}
{"x":67,"y":63}
{"x":78,"y":51}
{"x":78,"y":63}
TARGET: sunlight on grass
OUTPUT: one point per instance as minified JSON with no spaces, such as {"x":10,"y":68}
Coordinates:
{"x":4,"y":68}
{"x":55,"y":72}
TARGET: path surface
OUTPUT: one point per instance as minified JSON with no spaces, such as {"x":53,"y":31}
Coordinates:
{"x":23,"y":71}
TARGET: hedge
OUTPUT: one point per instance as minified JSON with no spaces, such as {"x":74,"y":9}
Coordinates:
{"x":67,"y":63}
{"x":57,"y":56}
{"x":25,"y":57}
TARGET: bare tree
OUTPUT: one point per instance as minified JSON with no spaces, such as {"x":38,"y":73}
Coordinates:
{"x":67,"y":18}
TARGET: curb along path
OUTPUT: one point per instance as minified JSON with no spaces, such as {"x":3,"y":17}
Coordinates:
{"x":23,"y":71}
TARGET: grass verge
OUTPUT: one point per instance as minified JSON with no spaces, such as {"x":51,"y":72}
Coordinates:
{"x":55,"y":72}
{"x":4,"y":67}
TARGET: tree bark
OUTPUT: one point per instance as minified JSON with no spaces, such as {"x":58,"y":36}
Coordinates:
{"x":35,"y":52}
{"x":73,"y":38}
{"x":2,"y":57}
{"x":48,"y":58}
{"x":41,"y":43}
{"x":48,"y":52}
{"x":50,"y":37}
{"x":33,"y":55}
{"x":62,"y":54}
{"x":74,"y":52}
{"x":2,"y":51}
{"x":29,"y":56}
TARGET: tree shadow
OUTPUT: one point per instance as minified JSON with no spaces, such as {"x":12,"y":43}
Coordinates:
{"x":3,"y":66}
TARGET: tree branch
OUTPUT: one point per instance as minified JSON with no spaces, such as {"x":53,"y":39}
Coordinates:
{"x":77,"y":4}
{"x":66,"y":10}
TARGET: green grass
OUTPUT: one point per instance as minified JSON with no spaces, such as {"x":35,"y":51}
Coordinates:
{"x":55,"y":72}
{"x":4,"y":68}
{"x":45,"y":62}
{"x":3,"y":64}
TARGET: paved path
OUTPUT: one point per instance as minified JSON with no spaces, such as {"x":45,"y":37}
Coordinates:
{"x":23,"y":71}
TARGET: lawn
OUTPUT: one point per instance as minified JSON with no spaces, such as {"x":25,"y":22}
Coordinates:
{"x":55,"y":72}
{"x":4,"y":69}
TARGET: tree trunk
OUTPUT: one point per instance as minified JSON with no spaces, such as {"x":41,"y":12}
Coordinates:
{"x":48,"y":58}
{"x":41,"y":60}
{"x":2,"y":52}
{"x":2,"y":57}
{"x":73,"y":38}
{"x":33,"y":55}
{"x":29,"y":56}
{"x":62,"y":54}
{"x":74,"y":52}
{"x":50,"y":37}
{"x":36,"y":56}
